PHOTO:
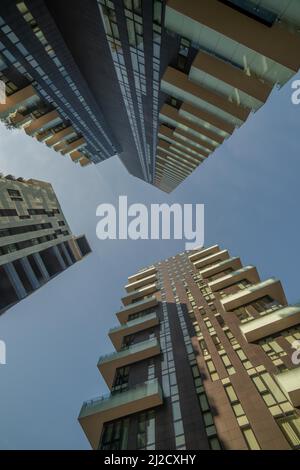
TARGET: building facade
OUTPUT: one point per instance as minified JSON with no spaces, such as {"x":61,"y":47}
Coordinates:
{"x":205,"y":358}
{"x":36,"y":242}
{"x":160,"y":83}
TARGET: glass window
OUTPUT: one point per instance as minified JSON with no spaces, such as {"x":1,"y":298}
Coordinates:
{"x":251,"y":439}
{"x":290,"y":427}
{"x":176,"y":411}
{"x":115,"y":435}
{"x":146,"y":430}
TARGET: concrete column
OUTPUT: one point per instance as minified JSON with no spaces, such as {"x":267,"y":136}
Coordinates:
{"x":59,"y":257}
{"x":66,"y":254}
{"x":42,"y":266}
{"x":15,"y":280}
{"x":30,"y":273}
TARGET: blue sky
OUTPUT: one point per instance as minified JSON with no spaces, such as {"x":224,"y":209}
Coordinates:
{"x":250,"y":188}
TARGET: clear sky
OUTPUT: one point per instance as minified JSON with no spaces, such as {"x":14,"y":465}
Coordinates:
{"x":250,"y":188}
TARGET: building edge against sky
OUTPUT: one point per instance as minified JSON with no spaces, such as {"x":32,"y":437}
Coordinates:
{"x":36,"y":242}
{"x":177,"y":78}
{"x":203,"y":360}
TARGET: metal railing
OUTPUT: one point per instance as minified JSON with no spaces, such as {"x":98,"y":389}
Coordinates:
{"x":146,"y":388}
{"x":136,"y":321}
{"x":149,"y":343}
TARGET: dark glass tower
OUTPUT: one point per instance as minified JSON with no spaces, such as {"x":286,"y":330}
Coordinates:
{"x":161,"y":84}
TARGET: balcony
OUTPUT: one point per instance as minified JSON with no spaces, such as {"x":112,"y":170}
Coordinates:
{"x":20,"y":120}
{"x":272,"y":323}
{"x":128,"y":299}
{"x":108,"y":364}
{"x":183,"y":87}
{"x":43,"y":136}
{"x":205,"y":26}
{"x":177,"y":141}
{"x":271,"y":287}
{"x":85,"y":161}
{"x":140,"y":283}
{"x":22,"y":98}
{"x":94,"y":413}
{"x":77,"y":144}
{"x":136,"y":307}
{"x":289,"y":381}
{"x":212,"y":259}
{"x":190,"y":120}
{"x":248,"y":272}
{"x":139,"y":324}
{"x":60,"y":136}
{"x":203,"y":253}
{"x":231,"y":263}
{"x":141,"y":274}
{"x":44,"y":122}
{"x":76,"y":156}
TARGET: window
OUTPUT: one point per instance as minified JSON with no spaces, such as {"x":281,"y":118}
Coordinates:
{"x":212,"y":370}
{"x":157,"y":11}
{"x":115,"y":435}
{"x":15,"y":195}
{"x":234,"y":287}
{"x":134,"y":316}
{"x":248,"y":8}
{"x":127,"y":341}
{"x":14,"y":192}
{"x":8,"y":213}
{"x":36,"y":211}
{"x":23,"y":229}
{"x":121,"y":379}
{"x":290,"y":427}
{"x":146,"y":430}
{"x":250,"y":439}
{"x":220,"y":320}
{"x":184,"y":47}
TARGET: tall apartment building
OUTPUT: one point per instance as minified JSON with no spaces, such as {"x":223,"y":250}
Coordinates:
{"x":160,"y":83}
{"x":203,"y":360}
{"x":36,"y":243}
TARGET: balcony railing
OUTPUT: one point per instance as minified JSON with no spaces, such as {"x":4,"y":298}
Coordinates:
{"x":113,"y":399}
{"x":136,"y":307}
{"x":140,"y":293}
{"x":271,"y":287}
{"x":109,"y":363}
{"x":203,"y":253}
{"x":135,"y":285}
{"x":247,"y":272}
{"x":142,"y":274}
{"x":117,"y":333}
{"x":271,"y":322}
{"x":94,"y":413}
{"x":132,"y":323}
{"x":234,"y":263}
{"x":133,"y":349}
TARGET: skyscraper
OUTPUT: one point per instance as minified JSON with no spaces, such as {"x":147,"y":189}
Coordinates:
{"x":36,"y":243}
{"x":161,"y":84}
{"x":205,"y":359}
